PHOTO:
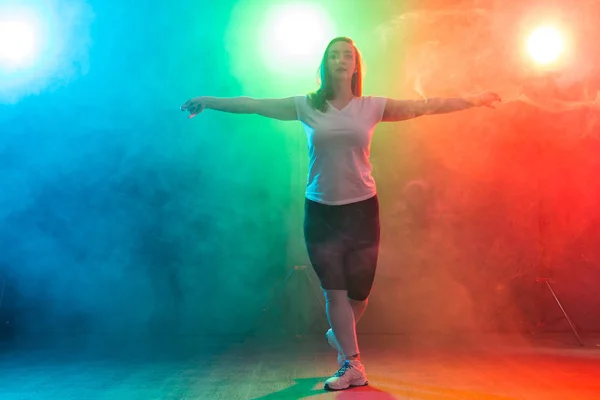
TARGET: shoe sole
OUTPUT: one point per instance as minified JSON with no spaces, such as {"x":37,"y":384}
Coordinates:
{"x":330,"y":389}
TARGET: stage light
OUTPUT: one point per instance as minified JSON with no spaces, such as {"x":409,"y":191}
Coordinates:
{"x":18,"y":42}
{"x":294,"y":37}
{"x":545,"y":45}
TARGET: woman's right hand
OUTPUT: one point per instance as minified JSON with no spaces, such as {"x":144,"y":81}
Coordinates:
{"x":195,"y":106}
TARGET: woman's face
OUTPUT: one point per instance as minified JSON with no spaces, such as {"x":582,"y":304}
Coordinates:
{"x":341,"y":61}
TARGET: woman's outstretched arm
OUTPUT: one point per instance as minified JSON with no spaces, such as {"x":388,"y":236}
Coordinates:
{"x":400,"y":110}
{"x":282,"y":109}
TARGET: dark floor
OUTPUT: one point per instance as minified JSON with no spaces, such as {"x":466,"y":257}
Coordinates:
{"x":399,"y":367}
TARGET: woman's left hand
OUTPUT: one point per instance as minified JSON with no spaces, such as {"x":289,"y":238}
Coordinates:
{"x":485,"y":99}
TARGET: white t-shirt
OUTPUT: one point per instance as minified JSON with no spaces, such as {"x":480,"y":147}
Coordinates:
{"x":339,"y":146}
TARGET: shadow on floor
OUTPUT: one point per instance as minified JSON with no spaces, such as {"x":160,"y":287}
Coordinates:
{"x":308,"y":387}
{"x":303,"y":388}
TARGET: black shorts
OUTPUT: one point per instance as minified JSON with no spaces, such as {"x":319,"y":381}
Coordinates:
{"x":343,"y":244}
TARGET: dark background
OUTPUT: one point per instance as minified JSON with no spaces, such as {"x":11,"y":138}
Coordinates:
{"x":118,"y":216}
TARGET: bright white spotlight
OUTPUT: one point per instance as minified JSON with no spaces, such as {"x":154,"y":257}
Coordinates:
{"x":545,"y":45}
{"x":294,"y":37}
{"x":17,"y":42}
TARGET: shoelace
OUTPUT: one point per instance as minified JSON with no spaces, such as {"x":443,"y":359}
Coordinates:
{"x":344,"y":368}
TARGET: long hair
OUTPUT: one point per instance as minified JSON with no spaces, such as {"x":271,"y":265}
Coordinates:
{"x":318,"y":99}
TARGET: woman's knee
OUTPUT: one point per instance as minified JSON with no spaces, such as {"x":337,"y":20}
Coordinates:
{"x":359,"y":295}
{"x":359,"y":302}
{"x":335,"y":295}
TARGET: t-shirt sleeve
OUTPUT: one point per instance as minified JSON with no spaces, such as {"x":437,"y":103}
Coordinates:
{"x":302,"y":107}
{"x":377,"y":105}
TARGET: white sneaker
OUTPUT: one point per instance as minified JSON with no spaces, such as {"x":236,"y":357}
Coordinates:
{"x":351,"y":374}
{"x":333,"y":343}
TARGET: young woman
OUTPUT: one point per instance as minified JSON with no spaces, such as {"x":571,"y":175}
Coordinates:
{"x":341,"y":223}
